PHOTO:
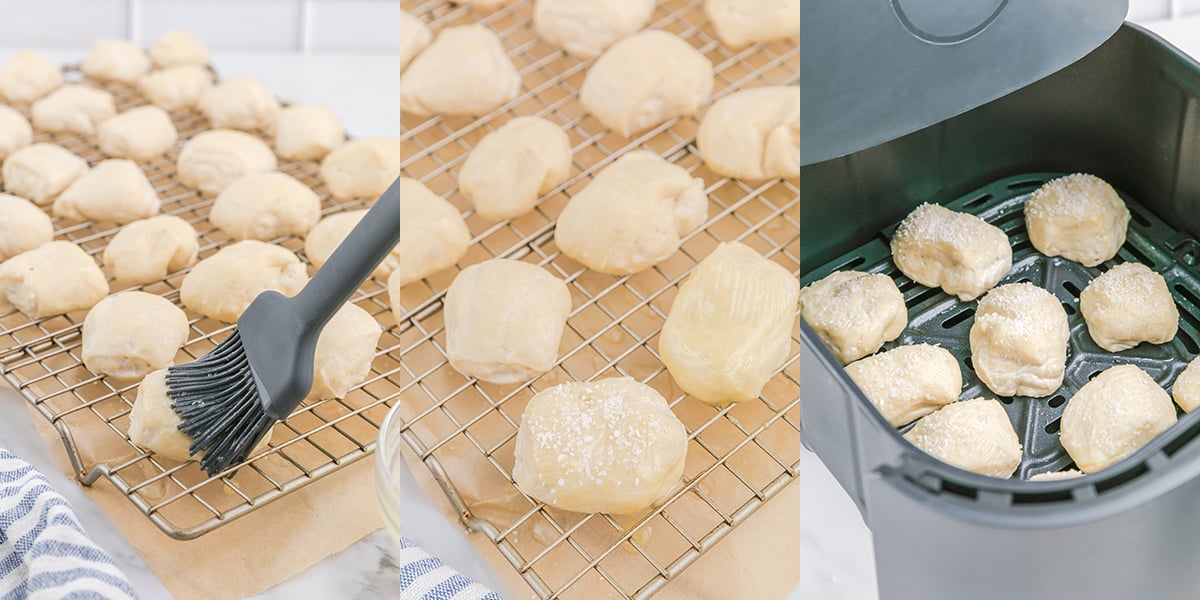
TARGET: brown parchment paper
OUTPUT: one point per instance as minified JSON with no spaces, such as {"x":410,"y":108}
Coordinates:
{"x":251,"y":554}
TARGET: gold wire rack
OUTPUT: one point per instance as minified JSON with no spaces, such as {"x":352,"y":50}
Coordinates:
{"x":464,"y":430}
{"x":42,"y":360}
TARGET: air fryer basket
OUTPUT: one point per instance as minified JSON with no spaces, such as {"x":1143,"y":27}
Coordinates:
{"x":1130,"y":113}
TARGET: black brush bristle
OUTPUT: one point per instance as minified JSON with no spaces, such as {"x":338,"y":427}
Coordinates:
{"x":218,"y":402}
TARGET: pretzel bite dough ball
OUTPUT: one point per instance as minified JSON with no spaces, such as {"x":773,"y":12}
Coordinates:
{"x":463,"y":72}
{"x":753,"y":134}
{"x":146,"y":250}
{"x":908,"y":382}
{"x":23,"y":226}
{"x":509,"y":168}
{"x":958,"y":252}
{"x":584,"y":28}
{"x":129,"y":334}
{"x":141,"y":133}
{"x":433,"y":235}
{"x":212,"y":160}
{"x":854,"y":313}
{"x":264,"y":206}
{"x":1186,"y":389}
{"x":610,"y":445}
{"x":41,"y":172}
{"x":114,"y":190}
{"x":632,"y":215}
{"x":307,"y":132}
{"x":53,"y":279}
{"x":361,"y":168}
{"x":1019,"y":341}
{"x":176,"y":88}
{"x":240,"y":103}
{"x":740,"y":23}
{"x":974,"y":435}
{"x":178,"y":47}
{"x":1113,"y":415}
{"x":115,"y":60}
{"x":29,"y":76}
{"x":331,"y":231}
{"x":1056,"y":475}
{"x":646,"y":79}
{"x":223,"y":285}
{"x":414,"y":36}
{"x":345,"y":350}
{"x":504,"y":320}
{"x":1128,"y":305}
{"x":15,"y":132}
{"x":1078,"y":217}
{"x":154,"y":425}
{"x":73,"y":109}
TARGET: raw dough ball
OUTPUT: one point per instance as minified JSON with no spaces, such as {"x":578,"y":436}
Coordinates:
{"x":141,"y":133}
{"x":223,"y":285}
{"x":73,"y":109}
{"x":146,"y":250}
{"x":908,"y":382}
{"x":584,"y":28}
{"x":393,"y":288}
{"x":240,"y":103}
{"x":212,"y":160}
{"x":433,"y":235}
{"x":15,"y":132}
{"x":176,"y":88}
{"x":361,"y":168}
{"x":854,"y":313}
{"x":743,"y":22}
{"x":958,"y":252}
{"x":753,"y":134}
{"x":414,"y":36}
{"x":129,"y":334}
{"x":115,"y":60}
{"x":975,"y":435}
{"x":52,"y":279}
{"x":264,"y":206}
{"x":328,"y":234}
{"x":178,"y":47}
{"x":1078,"y":217}
{"x":504,"y":320}
{"x":610,"y":445}
{"x":730,"y":327}
{"x":509,"y":168}
{"x":644,"y":80}
{"x":41,"y":172}
{"x":1019,"y":341}
{"x":1128,"y":305}
{"x":1112,"y":416}
{"x":1186,"y":390}
{"x":345,"y":351}
{"x":29,"y":76}
{"x":114,"y":190}
{"x":307,"y":132}
{"x":632,"y":215}
{"x":154,"y":425}
{"x":23,"y":226}
{"x":1056,"y":475}
{"x":463,"y":72}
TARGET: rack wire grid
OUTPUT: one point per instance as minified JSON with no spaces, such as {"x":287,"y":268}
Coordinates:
{"x":464,"y":430}
{"x":42,"y":360}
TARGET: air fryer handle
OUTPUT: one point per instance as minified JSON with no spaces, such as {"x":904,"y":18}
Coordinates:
{"x":353,"y":261}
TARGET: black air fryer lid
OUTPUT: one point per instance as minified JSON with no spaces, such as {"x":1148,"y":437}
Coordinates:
{"x":874,"y":70}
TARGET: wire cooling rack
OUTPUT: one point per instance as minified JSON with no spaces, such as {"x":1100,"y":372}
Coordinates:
{"x":42,"y":359}
{"x":464,"y":430}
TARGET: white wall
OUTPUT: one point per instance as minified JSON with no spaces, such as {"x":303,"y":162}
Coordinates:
{"x":269,"y":25}
{"x":1153,"y":10}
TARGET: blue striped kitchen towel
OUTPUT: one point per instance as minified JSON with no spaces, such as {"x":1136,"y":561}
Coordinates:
{"x":424,"y":577}
{"x":44,"y":552}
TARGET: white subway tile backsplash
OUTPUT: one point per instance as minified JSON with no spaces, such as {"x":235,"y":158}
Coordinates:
{"x":354,"y":25}
{"x":225,"y":24}
{"x":61,"y":23}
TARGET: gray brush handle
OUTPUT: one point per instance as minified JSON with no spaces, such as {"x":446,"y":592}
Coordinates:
{"x":353,"y":261}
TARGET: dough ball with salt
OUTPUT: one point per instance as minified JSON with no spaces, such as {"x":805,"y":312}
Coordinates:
{"x":610,"y":445}
{"x":1019,"y":341}
{"x":958,"y":252}
{"x":1113,"y":415}
{"x":975,"y":435}
{"x":1078,"y":217}
{"x":854,"y":313}
{"x":1186,"y":389}
{"x":908,"y":382}
{"x":1128,"y":305}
